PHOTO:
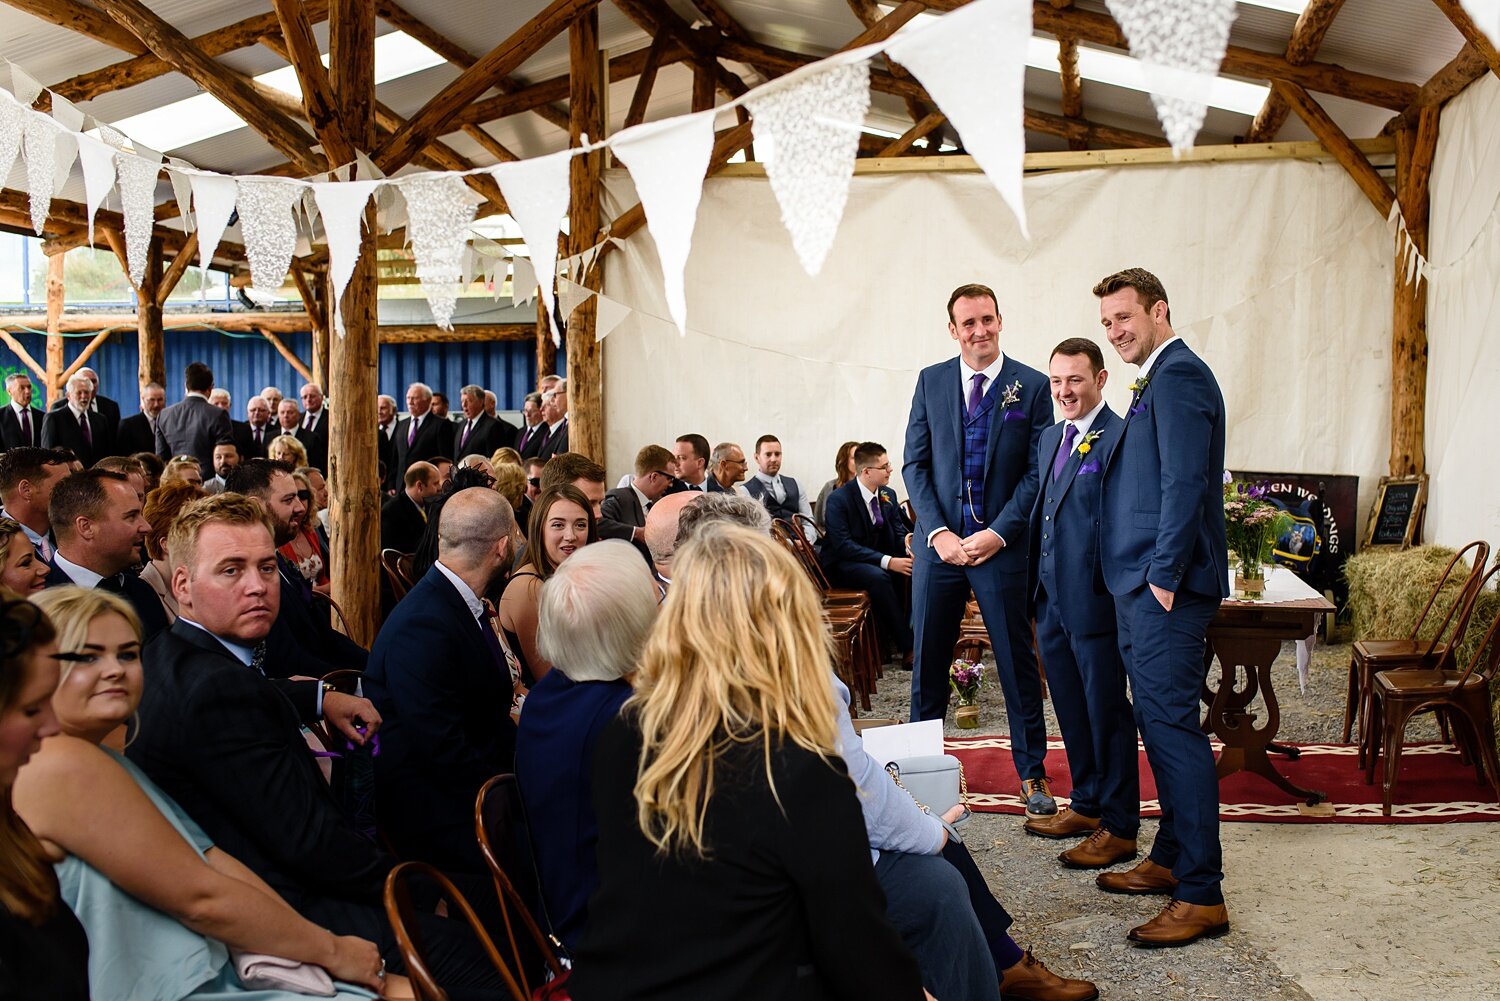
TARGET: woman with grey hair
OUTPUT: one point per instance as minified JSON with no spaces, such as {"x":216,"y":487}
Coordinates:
{"x":594,"y":614}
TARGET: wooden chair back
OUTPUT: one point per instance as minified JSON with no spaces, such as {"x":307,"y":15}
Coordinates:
{"x":396,"y":575}
{"x":799,"y":547}
{"x":333,"y":606}
{"x":1481,"y":556}
{"x":1486,"y":657}
{"x":402,"y":914}
{"x":499,"y":825}
{"x":807,"y":526}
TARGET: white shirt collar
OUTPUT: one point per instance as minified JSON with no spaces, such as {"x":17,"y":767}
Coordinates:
{"x":768,"y":479}
{"x":868,"y":495}
{"x":476,"y":606}
{"x":76,"y":412}
{"x":1151,"y":358}
{"x":33,"y":535}
{"x":244,"y":654}
{"x":204,"y":398}
{"x":641,"y":498}
{"x":18,"y":408}
{"x":1085,"y":422}
{"x":991,"y":372}
{"x":554,"y":427}
{"x":82,"y":576}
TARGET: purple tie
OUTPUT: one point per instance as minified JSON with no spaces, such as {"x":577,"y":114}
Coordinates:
{"x":83,"y":425}
{"x":411,"y":433}
{"x":876,"y":512}
{"x":26,"y":425}
{"x":465,"y":439}
{"x":976,"y":393}
{"x":1069,"y":433}
{"x":258,"y":433}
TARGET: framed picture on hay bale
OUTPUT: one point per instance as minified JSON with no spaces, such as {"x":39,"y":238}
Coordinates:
{"x":1396,"y":518}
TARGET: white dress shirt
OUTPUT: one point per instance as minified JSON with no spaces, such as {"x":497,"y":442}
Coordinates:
{"x":1151,"y":358}
{"x":476,"y":605}
{"x":82,"y":576}
{"x":1083,"y":424}
{"x":867,"y":495}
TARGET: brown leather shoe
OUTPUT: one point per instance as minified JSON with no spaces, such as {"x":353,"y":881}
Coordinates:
{"x":1029,"y":980}
{"x":1062,"y":824}
{"x":1147,"y":877}
{"x":1180,"y":923}
{"x":1099,"y":850}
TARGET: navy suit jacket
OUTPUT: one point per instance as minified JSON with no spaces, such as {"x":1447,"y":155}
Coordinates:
{"x":1163,"y":510}
{"x":445,"y":701}
{"x":1068,"y":528}
{"x":933,"y":462}
{"x":11,"y":435}
{"x":529,"y":441}
{"x":192,"y":426}
{"x":556,"y":443}
{"x":850,"y":537}
{"x":134,"y":590}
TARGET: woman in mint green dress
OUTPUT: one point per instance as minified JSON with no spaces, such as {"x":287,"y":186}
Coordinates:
{"x":162,"y":906}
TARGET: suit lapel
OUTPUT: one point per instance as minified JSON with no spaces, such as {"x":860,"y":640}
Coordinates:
{"x":1102,"y":423}
{"x":1007,"y":377}
{"x":954,"y":409}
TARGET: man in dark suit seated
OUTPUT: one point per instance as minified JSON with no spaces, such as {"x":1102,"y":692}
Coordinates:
{"x":225,"y":743}
{"x":479,"y":434}
{"x":193,"y":426}
{"x":628,"y":505}
{"x":76,"y":427}
{"x":138,"y":432}
{"x":20,"y":423}
{"x":440,"y":679}
{"x":865,"y":545}
{"x":96,"y":518}
{"x":403,"y":518}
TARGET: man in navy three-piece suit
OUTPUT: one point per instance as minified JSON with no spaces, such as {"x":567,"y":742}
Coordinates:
{"x":1075,"y":617}
{"x":1165,"y":560}
{"x":970,"y":468}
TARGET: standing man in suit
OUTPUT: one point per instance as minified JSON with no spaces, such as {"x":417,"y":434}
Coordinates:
{"x":532,"y":436}
{"x":313,"y":431}
{"x":479,"y":434}
{"x":20,"y":423}
{"x":403,"y":518}
{"x":77,"y":427}
{"x":865,"y":545}
{"x":629,"y":505}
{"x":96,"y":518}
{"x":1166,"y":562}
{"x":226,"y":459}
{"x":1075,"y":617}
{"x":780,"y":494}
{"x":194,"y":425}
{"x":555,"y":413}
{"x":970,"y":465}
{"x":220,"y":398}
{"x":101,"y":406}
{"x":437,"y":674}
{"x":253,"y":434}
{"x":138,"y":432}
{"x":423,"y":436}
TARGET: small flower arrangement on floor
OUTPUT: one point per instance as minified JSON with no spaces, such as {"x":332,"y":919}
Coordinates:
{"x":966,"y":677}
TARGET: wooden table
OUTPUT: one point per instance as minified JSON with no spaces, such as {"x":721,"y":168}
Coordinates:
{"x":1247,"y":636}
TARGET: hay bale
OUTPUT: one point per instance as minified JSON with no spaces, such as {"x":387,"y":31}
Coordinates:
{"x":1389,"y":588}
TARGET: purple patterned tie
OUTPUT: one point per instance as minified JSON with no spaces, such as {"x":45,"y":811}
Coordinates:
{"x":976,"y":393}
{"x":411,"y":433}
{"x":465,"y":439}
{"x":876,"y":512}
{"x":83,"y":425}
{"x":1069,"y":433}
{"x":26,"y":425}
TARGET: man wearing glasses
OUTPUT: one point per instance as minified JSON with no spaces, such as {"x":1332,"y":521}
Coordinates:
{"x":628,"y":505}
{"x":729,"y":468}
{"x":866,"y":544}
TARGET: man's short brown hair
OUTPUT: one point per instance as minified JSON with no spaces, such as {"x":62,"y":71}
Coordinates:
{"x":570,"y":467}
{"x":1148,"y":287}
{"x":220,"y":509}
{"x":972,"y":291}
{"x":865,"y":454}
{"x":122,"y":464}
{"x":653,"y":459}
{"x":79,"y":495}
{"x":420,"y":472}
{"x":1081,"y":346}
{"x":26,"y":463}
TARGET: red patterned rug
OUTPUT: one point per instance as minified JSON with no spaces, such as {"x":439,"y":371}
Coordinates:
{"x":1434,"y":786}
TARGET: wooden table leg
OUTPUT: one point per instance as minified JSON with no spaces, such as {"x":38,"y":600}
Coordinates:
{"x":1245,"y":744}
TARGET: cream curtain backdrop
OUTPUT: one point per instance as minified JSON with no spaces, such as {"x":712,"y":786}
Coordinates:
{"x":1279,"y":274}
{"x":1463,"y":320}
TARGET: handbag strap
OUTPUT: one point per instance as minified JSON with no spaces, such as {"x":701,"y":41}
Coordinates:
{"x":894,"y":771}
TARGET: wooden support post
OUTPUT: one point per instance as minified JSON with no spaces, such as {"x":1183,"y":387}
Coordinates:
{"x":354,"y":488}
{"x":585,"y":372}
{"x":1072,"y":86}
{"x":546,"y":351}
{"x":1337,"y":143}
{"x":153,"y":348}
{"x":1414,"y":153}
{"x":55,"y":300}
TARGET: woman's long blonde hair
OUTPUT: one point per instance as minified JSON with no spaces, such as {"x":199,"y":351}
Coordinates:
{"x":740,"y":653}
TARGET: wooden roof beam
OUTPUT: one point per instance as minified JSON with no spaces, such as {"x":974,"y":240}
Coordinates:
{"x":232,"y":89}
{"x":1466,"y":27}
{"x":84,"y":19}
{"x":1307,"y":35}
{"x":899,"y":147}
{"x":646,"y":81}
{"x":1337,"y":143}
{"x":1072,"y":86}
{"x":436,"y":116}
{"x":657,"y":18}
{"x":317,"y":93}
{"x":1446,"y":84}
{"x":67,"y":220}
{"x":240,"y":35}
{"x":393,"y":14}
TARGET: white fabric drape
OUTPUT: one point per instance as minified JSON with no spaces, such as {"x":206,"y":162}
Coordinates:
{"x":1279,"y":274}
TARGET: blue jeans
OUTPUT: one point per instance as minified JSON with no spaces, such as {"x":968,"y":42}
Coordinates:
{"x":928,"y":902}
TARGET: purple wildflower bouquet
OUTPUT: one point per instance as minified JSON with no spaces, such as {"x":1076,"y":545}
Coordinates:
{"x":966,"y":678}
{"x":1252,"y":523}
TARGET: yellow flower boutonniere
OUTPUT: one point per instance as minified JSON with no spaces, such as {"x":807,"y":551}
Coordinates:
{"x":1139,"y":385}
{"x":1087,"y":445}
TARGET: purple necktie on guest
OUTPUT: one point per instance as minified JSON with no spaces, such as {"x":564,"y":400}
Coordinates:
{"x":1065,"y":450}
{"x":83,"y":425}
{"x":976,"y":392}
{"x":411,"y":433}
{"x":875,"y":511}
{"x":26,"y":425}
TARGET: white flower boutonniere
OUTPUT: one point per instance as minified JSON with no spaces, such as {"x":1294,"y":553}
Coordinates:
{"x":1011,"y":395}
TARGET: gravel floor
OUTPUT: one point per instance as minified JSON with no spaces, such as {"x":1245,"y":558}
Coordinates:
{"x":1079,"y":931}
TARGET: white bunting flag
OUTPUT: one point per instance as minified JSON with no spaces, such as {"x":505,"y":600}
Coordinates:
{"x":1180,"y":44}
{"x":973,"y":63}
{"x":537,"y":193}
{"x":98,"y":162}
{"x":41,"y":166}
{"x":67,"y":153}
{"x":12,"y":128}
{"x":341,"y":206}
{"x":571,"y":295}
{"x":268,"y":227}
{"x":213,"y":204}
{"x":67,"y":114}
{"x":667,"y":161}
{"x":611,"y":315}
{"x":137,"y":173}
{"x":24,"y":86}
{"x":182,"y":191}
{"x":439,"y":210}
{"x":523,"y":281}
{"x":813,"y":121}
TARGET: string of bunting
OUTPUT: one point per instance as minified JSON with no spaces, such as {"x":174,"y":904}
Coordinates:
{"x":971,"y":61}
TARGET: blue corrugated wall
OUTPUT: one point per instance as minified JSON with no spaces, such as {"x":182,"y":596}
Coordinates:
{"x":244,"y":364}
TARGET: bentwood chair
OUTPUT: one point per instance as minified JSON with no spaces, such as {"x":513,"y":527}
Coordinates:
{"x":402,"y":914}
{"x":397,"y":569}
{"x":504,"y":841}
{"x":1464,"y":696}
{"x":1370,"y":657}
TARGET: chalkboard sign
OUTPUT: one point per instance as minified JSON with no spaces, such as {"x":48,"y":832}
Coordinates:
{"x":1397,"y":517}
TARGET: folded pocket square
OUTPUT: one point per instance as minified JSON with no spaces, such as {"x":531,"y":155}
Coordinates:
{"x":1092,"y":466}
{"x":1015,"y":415}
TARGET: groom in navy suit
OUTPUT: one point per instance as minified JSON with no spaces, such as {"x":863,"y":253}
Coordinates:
{"x":1165,"y":560}
{"x":970,"y":467}
{"x":1075,"y":617}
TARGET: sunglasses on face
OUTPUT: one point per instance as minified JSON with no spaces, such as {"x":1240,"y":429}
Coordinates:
{"x":304,"y":495}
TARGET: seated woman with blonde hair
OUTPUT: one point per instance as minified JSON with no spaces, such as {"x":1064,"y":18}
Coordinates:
{"x":182,"y":469}
{"x":728,"y":826}
{"x":286,"y":448}
{"x":166,"y":912}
